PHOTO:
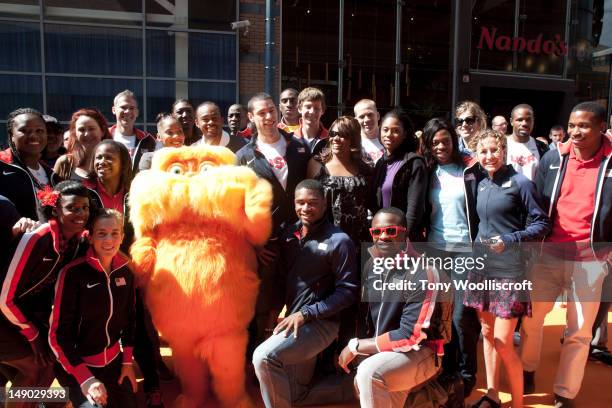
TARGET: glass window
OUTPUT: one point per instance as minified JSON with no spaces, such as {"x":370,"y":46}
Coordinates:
{"x":425,"y":83}
{"x":93,"y":50}
{"x":19,"y":91}
{"x":537,"y":46}
{"x":490,"y":21}
{"x":107,"y":11}
{"x":160,"y":53}
{"x":20,"y":45}
{"x":212,"y":14}
{"x":160,"y":96}
{"x":542,"y":28}
{"x":223,"y":94}
{"x":212,"y":56}
{"x":19,"y":8}
{"x":66,"y":95}
{"x":310,"y":50}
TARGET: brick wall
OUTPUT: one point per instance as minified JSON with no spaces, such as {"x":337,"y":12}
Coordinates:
{"x":251,"y":49}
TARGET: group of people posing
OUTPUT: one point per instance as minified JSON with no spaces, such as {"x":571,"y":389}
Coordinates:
{"x":366,"y":188}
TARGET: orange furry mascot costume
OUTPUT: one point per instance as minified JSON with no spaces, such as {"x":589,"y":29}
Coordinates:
{"x":196,"y":217}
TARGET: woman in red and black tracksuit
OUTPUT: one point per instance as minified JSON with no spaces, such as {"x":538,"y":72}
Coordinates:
{"x":23,"y":172}
{"x":110,"y":177}
{"x":27,"y":283}
{"x":92,"y":324}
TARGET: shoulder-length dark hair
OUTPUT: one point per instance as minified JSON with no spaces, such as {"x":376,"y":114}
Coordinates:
{"x":410,"y":143}
{"x":74,"y":147}
{"x":125,"y":180}
{"x":429,"y":131}
{"x":349,"y":128}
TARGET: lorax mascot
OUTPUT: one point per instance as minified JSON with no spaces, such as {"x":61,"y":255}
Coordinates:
{"x":197,"y":217}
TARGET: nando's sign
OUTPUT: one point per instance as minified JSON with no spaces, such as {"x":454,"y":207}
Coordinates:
{"x":490,"y":39}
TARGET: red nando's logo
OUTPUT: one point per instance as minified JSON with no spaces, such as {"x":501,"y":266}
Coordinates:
{"x":489,"y":39}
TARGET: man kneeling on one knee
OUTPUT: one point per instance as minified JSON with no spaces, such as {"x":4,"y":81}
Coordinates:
{"x":411,"y":324}
{"x":319,"y":268}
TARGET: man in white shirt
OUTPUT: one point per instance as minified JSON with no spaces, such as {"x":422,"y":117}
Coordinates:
{"x":210,"y":122}
{"x":125,"y":109}
{"x":368,"y":117}
{"x":524,"y":152}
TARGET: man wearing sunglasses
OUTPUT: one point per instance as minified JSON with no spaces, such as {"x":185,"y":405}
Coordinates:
{"x":410,"y":328}
{"x":319,"y":269}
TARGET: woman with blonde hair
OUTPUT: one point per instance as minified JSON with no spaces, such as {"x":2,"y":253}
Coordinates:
{"x":503,"y":212}
{"x":469,"y":120}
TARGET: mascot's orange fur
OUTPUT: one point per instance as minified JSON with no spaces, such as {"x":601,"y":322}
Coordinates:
{"x":196,"y":218}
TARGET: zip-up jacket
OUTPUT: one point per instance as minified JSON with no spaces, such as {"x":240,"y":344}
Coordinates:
{"x":27,"y":290}
{"x":549,"y":178}
{"x":93,"y":315}
{"x":19,"y":186}
{"x":317,"y":144}
{"x":320,"y":270}
{"x":507,"y":206}
{"x":408,"y":192}
{"x":297,"y":157}
{"x":405,"y":319}
{"x":144,"y":143}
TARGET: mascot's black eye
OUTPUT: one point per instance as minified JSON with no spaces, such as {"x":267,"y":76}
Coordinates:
{"x":176,"y":169}
{"x":205,"y":167}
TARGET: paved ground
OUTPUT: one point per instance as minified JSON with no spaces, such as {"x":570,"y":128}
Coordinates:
{"x":596,"y":390}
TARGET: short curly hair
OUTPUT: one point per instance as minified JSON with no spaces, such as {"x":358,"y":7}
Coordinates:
{"x":502,"y":140}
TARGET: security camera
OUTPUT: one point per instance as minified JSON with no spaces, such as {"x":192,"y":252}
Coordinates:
{"x":240,"y":24}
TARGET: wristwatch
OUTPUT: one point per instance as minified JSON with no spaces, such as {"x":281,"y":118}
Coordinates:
{"x":353,"y":346}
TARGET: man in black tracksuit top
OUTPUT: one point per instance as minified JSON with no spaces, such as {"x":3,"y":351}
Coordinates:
{"x":281,"y":159}
{"x":410,"y":325}
{"x":320,"y":273}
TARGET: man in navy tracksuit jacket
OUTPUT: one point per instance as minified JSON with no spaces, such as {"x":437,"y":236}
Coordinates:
{"x":320,"y":280}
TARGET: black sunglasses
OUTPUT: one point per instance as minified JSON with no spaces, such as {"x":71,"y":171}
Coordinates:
{"x":334,"y":133}
{"x":470,"y":120}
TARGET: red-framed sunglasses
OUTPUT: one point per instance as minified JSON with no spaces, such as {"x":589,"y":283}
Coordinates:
{"x":392,"y":231}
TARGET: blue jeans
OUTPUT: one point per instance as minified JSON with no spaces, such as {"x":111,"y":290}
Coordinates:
{"x":285,"y":365}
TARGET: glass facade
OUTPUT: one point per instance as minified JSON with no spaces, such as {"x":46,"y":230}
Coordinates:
{"x":551,"y":53}
{"x":90,"y":50}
